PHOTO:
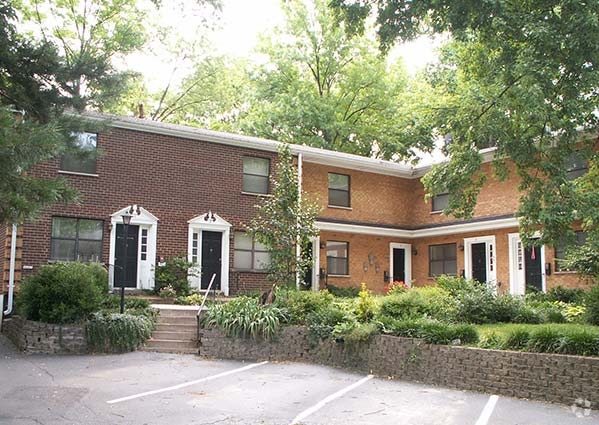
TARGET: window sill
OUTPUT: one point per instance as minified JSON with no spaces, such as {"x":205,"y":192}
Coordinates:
{"x":436,"y":212}
{"x":257,"y":194}
{"x":566,"y":272}
{"x":250,"y":271}
{"x":76,"y":173}
{"x":338,"y":275}
{"x":340,"y":207}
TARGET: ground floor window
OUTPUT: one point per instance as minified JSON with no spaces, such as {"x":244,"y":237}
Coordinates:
{"x":76,"y":239}
{"x":442,"y":259}
{"x":250,"y":254}
{"x":337,"y":258}
{"x":560,"y":251}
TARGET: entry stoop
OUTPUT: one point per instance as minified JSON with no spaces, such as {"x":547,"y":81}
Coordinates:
{"x":176,"y":330}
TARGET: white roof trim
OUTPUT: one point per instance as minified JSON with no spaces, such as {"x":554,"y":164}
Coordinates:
{"x":145,"y":217}
{"x":479,"y":226}
{"x":209,"y":220}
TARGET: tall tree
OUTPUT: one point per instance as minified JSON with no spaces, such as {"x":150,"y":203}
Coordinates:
{"x":319,"y":87}
{"x":523,"y":75}
{"x":285,"y":221}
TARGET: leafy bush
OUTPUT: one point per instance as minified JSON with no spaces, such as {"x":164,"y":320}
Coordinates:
{"x":299,"y":304}
{"x":476,"y":305}
{"x":545,"y":340}
{"x":581,"y":343}
{"x":63,"y":292}
{"x":343,"y":292}
{"x":192,"y":299}
{"x":174,"y":274}
{"x":355,"y":333}
{"x":506,"y":308}
{"x":491,"y":340}
{"x":366,"y":307}
{"x":322,"y":321}
{"x":244,"y":317}
{"x":516,"y":339}
{"x":454,"y":284}
{"x":432,"y":331}
{"x":566,"y":295}
{"x":114,"y":332}
{"x":528,"y":314}
{"x":418,"y":302}
{"x":592,"y":305}
{"x":395,"y":287}
{"x":134,"y":306}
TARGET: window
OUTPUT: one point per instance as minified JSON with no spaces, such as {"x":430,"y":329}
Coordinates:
{"x":255,"y":175}
{"x":440,"y":201}
{"x":338,"y":258}
{"x":442,"y":259}
{"x":338,"y":190}
{"x":575,"y":165}
{"x":85,"y":162}
{"x":76,"y":239}
{"x":561,"y":248}
{"x":249,"y":254}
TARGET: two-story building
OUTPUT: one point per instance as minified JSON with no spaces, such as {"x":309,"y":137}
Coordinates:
{"x":191,"y":191}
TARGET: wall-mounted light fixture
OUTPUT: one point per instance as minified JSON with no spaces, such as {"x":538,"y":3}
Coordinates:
{"x":461,"y":246}
{"x":323,"y":244}
{"x":377,"y":267}
{"x":371,"y":258}
{"x":365,"y":266}
{"x":414,"y":251}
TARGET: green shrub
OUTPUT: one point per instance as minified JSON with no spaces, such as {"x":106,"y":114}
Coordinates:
{"x":299,"y":304}
{"x":192,"y":299}
{"x":506,"y":308}
{"x":173,"y":276}
{"x":516,"y":339}
{"x":545,"y":340}
{"x":343,"y":292}
{"x":454,"y":284}
{"x":476,"y":305}
{"x":134,"y":306}
{"x":366,"y":307}
{"x":322,"y":321}
{"x":592,"y":305}
{"x":244,"y":317}
{"x":63,"y":292}
{"x":114,"y":332}
{"x":528,"y":314}
{"x":491,"y":340}
{"x":355,"y":333}
{"x":432,"y":331}
{"x":549,"y":311}
{"x":581,"y":343}
{"x":566,"y":295}
{"x":420,"y":302}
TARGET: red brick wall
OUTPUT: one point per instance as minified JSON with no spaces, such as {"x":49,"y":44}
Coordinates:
{"x":173,"y":178}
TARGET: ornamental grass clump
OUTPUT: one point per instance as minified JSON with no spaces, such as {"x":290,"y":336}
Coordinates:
{"x":244,"y":317}
{"x":115,"y":332}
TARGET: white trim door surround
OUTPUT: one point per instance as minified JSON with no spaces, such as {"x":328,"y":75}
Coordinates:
{"x":518,"y":265}
{"x":212,"y":223}
{"x":148,"y":225}
{"x":407,"y":260}
{"x":491,"y":258}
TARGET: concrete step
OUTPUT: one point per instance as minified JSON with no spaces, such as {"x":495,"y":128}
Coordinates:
{"x":179,"y":311}
{"x":176,"y":335}
{"x":171,"y":350}
{"x":170,"y":327}
{"x":171,"y":344}
{"x":176,"y":320}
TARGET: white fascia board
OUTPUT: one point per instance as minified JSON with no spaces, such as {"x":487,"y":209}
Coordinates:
{"x":481,"y":226}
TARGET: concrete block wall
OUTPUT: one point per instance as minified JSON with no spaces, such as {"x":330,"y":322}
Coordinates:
{"x":45,"y":338}
{"x":546,"y":377}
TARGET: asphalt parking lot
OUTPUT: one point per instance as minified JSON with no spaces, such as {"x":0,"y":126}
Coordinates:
{"x":153,"y":388}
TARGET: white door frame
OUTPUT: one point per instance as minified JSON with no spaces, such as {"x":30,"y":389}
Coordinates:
{"x":518,"y":267}
{"x":407,"y":260}
{"x":145,"y":268}
{"x":491,"y":256}
{"x":316,"y":264}
{"x":210,"y":222}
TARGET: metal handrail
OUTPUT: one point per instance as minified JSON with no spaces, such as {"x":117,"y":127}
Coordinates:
{"x":203,"y":304}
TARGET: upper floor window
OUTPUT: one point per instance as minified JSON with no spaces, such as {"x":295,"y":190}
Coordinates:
{"x":442,"y":259}
{"x":561,"y":248}
{"x":250,"y":254}
{"x":76,"y":239}
{"x":339,"y":190}
{"x":440,"y":202}
{"x":576,"y":165}
{"x":255,"y":175}
{"x":84,"y":162}
{"x":337,"y":258}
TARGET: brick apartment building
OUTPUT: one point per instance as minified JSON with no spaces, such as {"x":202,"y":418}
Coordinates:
{"x":194,"y":189}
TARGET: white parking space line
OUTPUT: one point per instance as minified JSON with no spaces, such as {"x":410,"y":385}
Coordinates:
{"x":487,"y":411}
{"x":330,"y":398}
{"x":187,"y":384}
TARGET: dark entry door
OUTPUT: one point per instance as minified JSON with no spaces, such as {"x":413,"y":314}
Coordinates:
{"x":479,"y":262}
{"x":399,"y":265}
{"x":130,"y":280}
{"x":211,"y":258}
{"x":532,"y":268}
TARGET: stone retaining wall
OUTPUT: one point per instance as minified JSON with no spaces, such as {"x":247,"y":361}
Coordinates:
{"x":46,"y":338}
{"x":546,"y":377}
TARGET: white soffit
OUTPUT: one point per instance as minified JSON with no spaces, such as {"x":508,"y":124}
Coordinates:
{"x":450,"y":229}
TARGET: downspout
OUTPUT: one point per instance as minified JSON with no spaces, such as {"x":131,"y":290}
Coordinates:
{"x":11,"y":272}
{"x":298,"y":248}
